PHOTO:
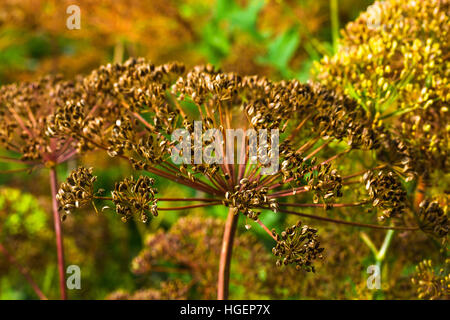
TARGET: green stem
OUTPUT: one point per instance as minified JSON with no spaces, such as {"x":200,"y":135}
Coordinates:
{"x":119,"y":49}
{"x":334,"y":13}
{"x":385,"y":246}
{"x":369,"y":243}
{"x":379,"y":255}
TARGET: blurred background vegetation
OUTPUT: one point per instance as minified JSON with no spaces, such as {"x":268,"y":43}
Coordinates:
{"x":278,"y":39}
{"x":275,"y":38}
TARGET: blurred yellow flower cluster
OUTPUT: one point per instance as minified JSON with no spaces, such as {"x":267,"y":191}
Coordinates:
{"x":393,"y":60}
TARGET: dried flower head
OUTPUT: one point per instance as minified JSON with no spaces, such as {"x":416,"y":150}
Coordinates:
{"x":298,"y":245}
{"x":247,"y":196}
{"x":24,"y":112}
{"x":433,"y":218}
{"x":77,"y":191}
{"x":135,"y":197}
{"x":385,"y":191}
{"x":140,"y":105}
{"x":431,"y":284}
{"x":131,"y":197}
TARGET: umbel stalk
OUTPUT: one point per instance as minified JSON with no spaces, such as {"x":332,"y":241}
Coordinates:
{"x":58,"y":234}
{"x":225,"y":255}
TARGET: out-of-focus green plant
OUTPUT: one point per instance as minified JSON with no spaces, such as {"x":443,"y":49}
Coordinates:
{"x":279,"y":38}
{"x":24,"y":214}
{"x":24,"y":233}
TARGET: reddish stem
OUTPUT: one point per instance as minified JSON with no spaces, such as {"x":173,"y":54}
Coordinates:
{"x":321,"y":205}
{"x":354,"y":224}
{"x":190,"y":206}
{"x":225,"y":256}
{"x":58,"y":233}
{"x":266,"y":229}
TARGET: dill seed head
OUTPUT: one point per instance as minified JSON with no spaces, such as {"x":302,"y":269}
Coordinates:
{"x":247,"y":196}
{"x":77,"y":191}
{"x":138,"y":105}
{"x":25,"y":109}
{"x":298,"y":245}
{"x":433,"y":218}
{"x":135,"y":197}
{"x":431,"y":284}
{"x":385,"y":191}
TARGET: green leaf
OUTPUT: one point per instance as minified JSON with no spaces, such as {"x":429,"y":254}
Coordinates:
{"x":246,"y":19}
{"x":215,"y":43}
{"x":281,"y":50}
{"x":224,"y":8}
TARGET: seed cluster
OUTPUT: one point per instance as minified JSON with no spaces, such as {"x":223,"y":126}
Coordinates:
{"x":298,"y":245}
{"x":396,"y":150}
{"x":385,"y":191}
{"x":433,"y":218}
{"x":77,"y":191}
{"x":248,"y":195}
{"x":326,"y":184}
{"x":69,"y":120}
{"x":24,"y":112}
{"x":431,"y":284}
{"x":133,"y":85}
{"x":135,"y":197}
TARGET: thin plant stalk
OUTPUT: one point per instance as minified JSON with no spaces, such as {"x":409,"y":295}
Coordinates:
{"x":225,"y":255}
{"x":385,"y":246}
{"x":334,"y":13}
{"x":379,"y":255}
{"x":58,"y":233}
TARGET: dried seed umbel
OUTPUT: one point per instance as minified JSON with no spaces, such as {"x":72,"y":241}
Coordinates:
{"x":77,"y":191}
{"x":386,"y":192}
{"x":25,"y":113}
{"x":135,"y":197}
{"x":433,"y":218}
{"x":298,"y":245}
{"x":431,"y":284}
{"x":139,"y":105}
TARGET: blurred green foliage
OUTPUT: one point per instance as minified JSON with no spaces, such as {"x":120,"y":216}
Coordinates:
{"x":24,"y":213}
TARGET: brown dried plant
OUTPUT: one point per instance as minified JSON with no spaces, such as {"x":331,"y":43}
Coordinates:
{"x":24,"y":112}
{"x":138,"y":105}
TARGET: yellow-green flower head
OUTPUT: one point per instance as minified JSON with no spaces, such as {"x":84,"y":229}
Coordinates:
{"x":393,"y":59}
